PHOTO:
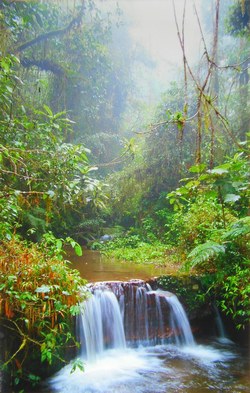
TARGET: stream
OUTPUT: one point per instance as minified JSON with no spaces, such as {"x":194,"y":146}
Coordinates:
{"x":95,"y":267}
{"x":209,"y":367}
{"x":115,"y":363}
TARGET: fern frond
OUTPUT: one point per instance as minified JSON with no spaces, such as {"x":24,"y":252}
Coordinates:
{"x":203,"y":252}
{"x":238,"y":229}
{"x":35,"y":222}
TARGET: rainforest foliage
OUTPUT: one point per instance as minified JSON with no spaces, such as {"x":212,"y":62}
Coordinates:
{"x":184,"y":199}
{"x":74,"y":166}
{"x":46,"y":187}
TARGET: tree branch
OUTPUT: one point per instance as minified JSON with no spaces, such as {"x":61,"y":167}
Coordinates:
{"x":46,"y":65}
{"x":54,"y":33}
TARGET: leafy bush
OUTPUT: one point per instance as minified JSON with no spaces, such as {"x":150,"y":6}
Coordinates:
{"x":190,"y":289}
{"x":215,"y":229}
{"x":45,"y":181}
{"x":143,"y":253}
{"x":233,"y":243}
{"x":200,"y":222}
{"x":39,"y":295}
{"x":132,"y":249}
{"x":234,"y":292}
{"x":9,"y":212}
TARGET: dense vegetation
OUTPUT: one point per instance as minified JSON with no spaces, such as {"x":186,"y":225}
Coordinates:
{"x":45,"y":184}
{"x":175,"y":192}
{"x":184,"y":199}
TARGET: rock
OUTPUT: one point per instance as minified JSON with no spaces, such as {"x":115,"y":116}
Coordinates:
{"x":106,"y":238}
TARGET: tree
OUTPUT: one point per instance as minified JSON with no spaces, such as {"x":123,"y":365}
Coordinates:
{"x":68,"y":55}
{"x":40,"y":171}
{"x":238,"y":26}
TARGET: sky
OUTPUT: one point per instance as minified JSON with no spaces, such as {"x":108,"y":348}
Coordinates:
{"x":152,"y":25}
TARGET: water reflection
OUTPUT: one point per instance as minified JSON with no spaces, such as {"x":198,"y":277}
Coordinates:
{"x":95,"y":267}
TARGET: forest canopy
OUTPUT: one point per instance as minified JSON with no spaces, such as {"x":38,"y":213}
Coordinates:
{"x":82,"y":153}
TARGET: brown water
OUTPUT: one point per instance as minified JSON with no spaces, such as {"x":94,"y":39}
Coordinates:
{"x":95,"y":267}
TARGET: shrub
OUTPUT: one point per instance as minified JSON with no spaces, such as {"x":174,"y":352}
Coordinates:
{"x":39,"y":295}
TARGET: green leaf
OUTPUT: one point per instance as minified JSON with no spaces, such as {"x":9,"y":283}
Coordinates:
{"x":77,"y":363}
{"x":78,"y":250}
{"x":239,"y":229}
{"x":48,"y":110}
{"x":197,"y":168}
{"x":34,"y":378}
{"x":75,"y":310}
{"x":59,"y":244}
{"x":69,"y":121}
{"x":16,"y":381}
{"x":59,"y":114}
{"x":203,"y":252}
{"x":191,"y":184}
{"x":92,"y":168}
{"x":10,"y":90}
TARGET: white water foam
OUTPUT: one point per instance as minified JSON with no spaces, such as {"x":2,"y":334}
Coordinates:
{"x":207,"y":355}
{"x":110,"y":367}
{"x":114,"y":367}
{"x":140,"y":370}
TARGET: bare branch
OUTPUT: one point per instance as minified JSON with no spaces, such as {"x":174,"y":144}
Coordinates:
{"x":234,"y":66}
{"x":154,"y":127}
{"x":201,"y":88}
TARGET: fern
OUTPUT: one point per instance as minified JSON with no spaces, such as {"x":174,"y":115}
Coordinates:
{"x":203,"y":252}
{"x":32,"y":220}
{"x":238,"y":229}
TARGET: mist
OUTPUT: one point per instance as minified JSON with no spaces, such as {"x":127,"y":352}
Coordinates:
{"x":118,"y":138}
{"x":151,"y":25}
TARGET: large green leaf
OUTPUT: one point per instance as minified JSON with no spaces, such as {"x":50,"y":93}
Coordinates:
{"x":203,"y":252}
{"x":239,"y":229}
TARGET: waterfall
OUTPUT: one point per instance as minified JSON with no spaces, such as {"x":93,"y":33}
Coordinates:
{"x":219,"y":323}
{"x":141,"y":315}
{"x":222,"y":336}
{"x":101,"y":324}
{"x":179,"y":323}
{"x":130,"y":313}
{"x":119,"y":325}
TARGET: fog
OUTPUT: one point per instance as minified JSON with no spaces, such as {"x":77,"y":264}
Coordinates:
{"x":151,"y":24}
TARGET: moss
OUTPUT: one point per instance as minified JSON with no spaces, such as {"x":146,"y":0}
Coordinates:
{"x":191,"y":290}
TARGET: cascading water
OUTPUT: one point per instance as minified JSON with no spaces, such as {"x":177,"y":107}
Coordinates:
{"x":120,"y":325}
{"x":179,"y":323}
{"x":101,"y":324}
{"x":219,"y":324}
{"x":220,"y":330}
{"x":131,"y":312}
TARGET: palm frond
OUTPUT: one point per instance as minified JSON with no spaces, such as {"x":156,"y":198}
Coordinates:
{"x":238,"y":229}
{"x":203,"y":252}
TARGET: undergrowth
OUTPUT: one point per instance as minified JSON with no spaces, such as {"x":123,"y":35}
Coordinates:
{"x":39,"y":296}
